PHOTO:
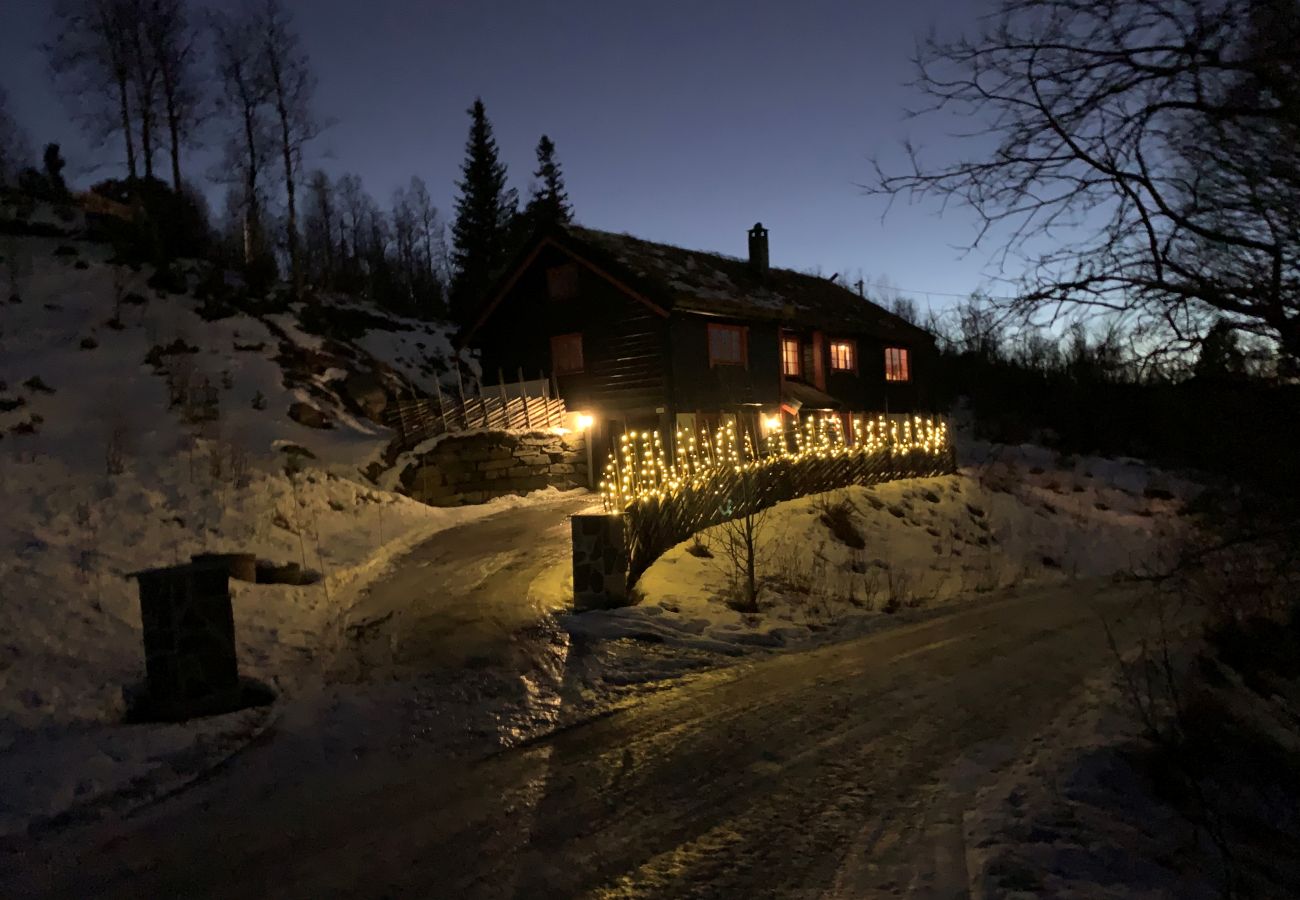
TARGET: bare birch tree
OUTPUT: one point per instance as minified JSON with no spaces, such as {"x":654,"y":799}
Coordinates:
{"x":290,"y":87}
{"x":171,"y":41}
{"x":320,"y":220}
{"x":242,"y":102}
{"x":92,"y":56}
{"x":1139,"y":158}
{"x":15,"y":150}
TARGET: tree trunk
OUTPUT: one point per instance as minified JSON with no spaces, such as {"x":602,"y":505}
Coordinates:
{"x":295,"y":274}
{"x":252,"y":220}
{"x":124,"y":103}
{"x":174,"y":135}
{"x":146,"y":135}
{"x":144,"y":88}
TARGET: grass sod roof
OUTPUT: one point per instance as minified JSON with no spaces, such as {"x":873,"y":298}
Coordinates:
{"x":726,"y":286}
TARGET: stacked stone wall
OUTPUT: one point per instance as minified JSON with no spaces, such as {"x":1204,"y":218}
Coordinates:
{"x":474,"y":468}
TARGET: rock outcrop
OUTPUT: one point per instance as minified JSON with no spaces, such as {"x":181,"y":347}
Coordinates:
{"x":475,"y":468}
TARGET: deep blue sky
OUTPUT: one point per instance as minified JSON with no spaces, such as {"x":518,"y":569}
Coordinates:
{"x":677,"y":121}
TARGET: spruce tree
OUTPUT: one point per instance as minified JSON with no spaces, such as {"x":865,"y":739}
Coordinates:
{"x":485,"y":213}
{"x":549,"y":204}
{"x":1221,"y":357}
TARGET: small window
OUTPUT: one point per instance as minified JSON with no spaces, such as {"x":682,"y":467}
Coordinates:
{"x":727,"y":345}
{"x":790,"y":356}
{"x":896,"y":364}
{"x":844,"y":356}
{"x":562,"y":282}
{"x":566,"y":353}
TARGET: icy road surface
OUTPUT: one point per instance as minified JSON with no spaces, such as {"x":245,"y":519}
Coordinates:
{"x":839,"y":772}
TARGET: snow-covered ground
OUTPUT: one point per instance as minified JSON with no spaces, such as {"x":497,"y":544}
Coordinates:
{"x":137,"y":429}
{"x":1011,"y":516}
{"x":1076,"y":817}
{"x":115,"y":457}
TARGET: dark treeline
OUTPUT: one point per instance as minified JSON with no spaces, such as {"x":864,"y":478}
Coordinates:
{"x":1226,"y":409}
{"x":165,"y":83}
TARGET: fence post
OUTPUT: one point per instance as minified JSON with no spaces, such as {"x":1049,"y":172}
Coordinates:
{"x":482,"y":404}
{"x":523,"y":392}
{"x":505,"y":402}
{"x":460,"y":389}
{"x":546,"y":401}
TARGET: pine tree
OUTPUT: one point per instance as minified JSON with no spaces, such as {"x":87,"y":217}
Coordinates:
{"x":549,"y":204}
{"x":1221,"y":357}
{"x":54,"y":165}
{"x":485,"y":213}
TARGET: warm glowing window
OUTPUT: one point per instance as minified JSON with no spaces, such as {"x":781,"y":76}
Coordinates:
{"x":726,"y":345}
{"x":790,"y":356}
{"x":562,"y":282}
{"x":566,"y":353}
{"x":896,"y":365}
{"x":844,"y":356}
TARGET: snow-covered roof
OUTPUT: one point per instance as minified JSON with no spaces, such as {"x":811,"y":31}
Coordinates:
{"x":714,"y":284}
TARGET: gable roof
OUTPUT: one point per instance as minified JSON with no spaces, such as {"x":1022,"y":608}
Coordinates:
{"x":706,"y":283}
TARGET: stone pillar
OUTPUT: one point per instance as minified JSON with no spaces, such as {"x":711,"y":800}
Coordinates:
{"x":189,"y":639}
{"x":599,"y":562}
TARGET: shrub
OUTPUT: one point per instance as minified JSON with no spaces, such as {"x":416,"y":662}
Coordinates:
{"x":838,"y":516}
{"x":699,"y":549}
{"x":165,"y":225}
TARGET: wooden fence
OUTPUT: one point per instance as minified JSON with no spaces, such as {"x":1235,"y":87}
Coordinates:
{"x":654,"y":524}
{"x":493,"y":407}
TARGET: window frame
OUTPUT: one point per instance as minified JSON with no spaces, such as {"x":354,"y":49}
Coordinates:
{"x":898,"y":370}
{"x":742,"y":344}
{"x":564,"y":275}
{"x":852,"y":346}
{"x":572,"y":339}
{"x":786,"y":341}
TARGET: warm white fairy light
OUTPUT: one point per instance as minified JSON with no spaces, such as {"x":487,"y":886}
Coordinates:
{"x":640,"y":469}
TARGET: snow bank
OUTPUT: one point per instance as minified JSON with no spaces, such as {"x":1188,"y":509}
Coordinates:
{"x":1012,"y":516}
{"x":1075,"y":817}
{"x":137,"y":429}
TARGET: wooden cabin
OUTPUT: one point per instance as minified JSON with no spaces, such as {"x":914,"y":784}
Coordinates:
{"x":642,"y":335}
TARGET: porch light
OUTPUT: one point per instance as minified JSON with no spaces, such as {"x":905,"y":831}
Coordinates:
{"x":584,"y":421}
{"x":772,"y":423}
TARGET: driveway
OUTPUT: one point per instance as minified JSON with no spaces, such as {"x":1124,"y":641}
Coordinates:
{"x":839,"y":772}
{"x":460,"y":597}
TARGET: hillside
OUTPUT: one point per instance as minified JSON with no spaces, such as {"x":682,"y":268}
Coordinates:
{"x":139,"y":425}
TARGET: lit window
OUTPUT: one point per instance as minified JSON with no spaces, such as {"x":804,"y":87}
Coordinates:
{"x":562,"y":282}
{"x":844,"y":356}
{"x":896,"y":365}
{"x":790,"y":356}
{"x":566,"y":353}
{"x":726,"y":345}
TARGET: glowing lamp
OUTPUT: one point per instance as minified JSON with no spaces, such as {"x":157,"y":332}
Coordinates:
{"x":584,"y":421}
{"x":771,"y":423}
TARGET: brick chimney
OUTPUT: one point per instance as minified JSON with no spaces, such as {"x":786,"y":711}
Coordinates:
{"x":758,"y":260}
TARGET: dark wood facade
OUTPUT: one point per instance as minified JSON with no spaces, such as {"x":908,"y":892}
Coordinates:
{"x":635,"y":360}
{"x":624,"y":342}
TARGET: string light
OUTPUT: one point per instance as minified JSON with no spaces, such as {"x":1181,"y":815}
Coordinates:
{"x":640,"y":469}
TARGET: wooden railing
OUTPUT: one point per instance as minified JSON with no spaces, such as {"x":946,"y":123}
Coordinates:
{"x":497,"y":407}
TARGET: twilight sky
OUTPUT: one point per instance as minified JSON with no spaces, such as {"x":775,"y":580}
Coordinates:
{"x":684,"y":122}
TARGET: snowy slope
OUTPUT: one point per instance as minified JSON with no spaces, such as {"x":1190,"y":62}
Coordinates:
{"x":1011,"y":516}
{"x":138,"y":428}
{"x":136,"y":432}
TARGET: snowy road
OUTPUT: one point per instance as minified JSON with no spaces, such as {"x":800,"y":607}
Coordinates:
{"x":841,"y":772}
{"x":461,"y":596}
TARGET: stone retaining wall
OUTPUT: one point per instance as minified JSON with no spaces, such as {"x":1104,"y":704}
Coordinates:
{"x":474,"y":468}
